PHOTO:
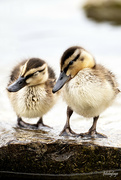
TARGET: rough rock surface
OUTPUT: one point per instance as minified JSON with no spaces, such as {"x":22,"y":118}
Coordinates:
{"x":37,"y":152}
{"x":104,"y":10}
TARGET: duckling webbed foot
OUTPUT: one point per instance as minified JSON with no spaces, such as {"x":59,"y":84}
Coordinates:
{"x":92,"y":133}
{"x":41,"y":124}
{"x":67,"y":131}
{"x":23,"y":124}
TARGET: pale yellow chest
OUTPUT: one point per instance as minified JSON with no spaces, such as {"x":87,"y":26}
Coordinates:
{"x":88,"y":95}
{"x":32,"y":102}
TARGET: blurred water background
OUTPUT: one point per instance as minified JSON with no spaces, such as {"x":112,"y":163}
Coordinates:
{"x":44,"y":29}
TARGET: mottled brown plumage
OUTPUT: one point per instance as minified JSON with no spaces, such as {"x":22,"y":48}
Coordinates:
{"x":88,"y":88}
{"x":30,"y":90}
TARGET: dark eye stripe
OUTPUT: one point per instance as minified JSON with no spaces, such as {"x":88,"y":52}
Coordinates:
{"x":30,"y":75}
{"x":41,"y":70}
{"x":76,"y":57}
{"x":66,"y":68}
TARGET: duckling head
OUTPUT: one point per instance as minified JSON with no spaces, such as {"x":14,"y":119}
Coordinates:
{"x":32,"y":73}
{"x":72,"y":61}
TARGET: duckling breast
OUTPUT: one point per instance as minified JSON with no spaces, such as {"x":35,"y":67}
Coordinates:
{"x":87,"y":94}
{"x":32,"y":102}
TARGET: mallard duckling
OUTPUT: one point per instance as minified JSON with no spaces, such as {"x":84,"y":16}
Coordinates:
{"x":89,"y":88}
{"x":30,"y":90}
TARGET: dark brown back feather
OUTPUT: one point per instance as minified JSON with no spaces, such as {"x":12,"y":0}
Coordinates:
{"x":108,"y":75}
{"x":51,"y":73}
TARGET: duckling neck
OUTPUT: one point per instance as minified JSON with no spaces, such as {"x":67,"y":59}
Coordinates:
{"x":42,"y":85}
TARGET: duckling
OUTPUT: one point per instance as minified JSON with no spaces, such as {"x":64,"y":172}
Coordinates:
{"x":30,"y":91}
{"x":88,"y":88}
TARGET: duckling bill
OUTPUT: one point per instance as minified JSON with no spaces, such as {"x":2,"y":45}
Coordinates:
{"x":30,"y":91}
{"x":88,"y":88}
{"x":63,"y":78}
{"x":17,"y":85}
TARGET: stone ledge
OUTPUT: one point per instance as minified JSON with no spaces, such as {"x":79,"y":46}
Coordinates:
{"x":59,"y":157}
{"x":44,"y":154}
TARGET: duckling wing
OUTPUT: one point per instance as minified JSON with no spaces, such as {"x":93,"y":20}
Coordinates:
{"x":52,"y":77}
{"x":106,"y":74}
{"x":50,"y":83}
{"x":51,"y":73}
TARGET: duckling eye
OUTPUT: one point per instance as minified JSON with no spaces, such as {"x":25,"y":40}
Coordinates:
{"x":36,"y":73}
{"x":71,"y":62}
{"x":82,"y":59}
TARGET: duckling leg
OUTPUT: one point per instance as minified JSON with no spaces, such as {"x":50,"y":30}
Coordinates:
{"x":67,"y":131}
{"x":23,"y":124}
{"x":92,"y":131}
{"x":41,"y":124}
